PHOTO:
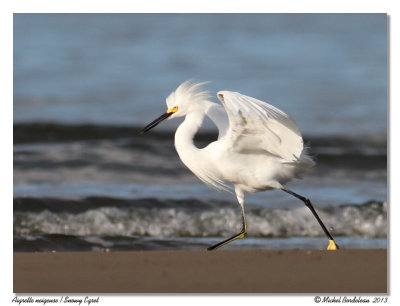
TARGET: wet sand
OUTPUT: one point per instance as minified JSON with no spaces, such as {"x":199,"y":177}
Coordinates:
{"x":259,"y":271}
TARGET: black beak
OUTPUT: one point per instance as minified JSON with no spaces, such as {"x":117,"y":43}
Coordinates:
{"x":155,"y":122}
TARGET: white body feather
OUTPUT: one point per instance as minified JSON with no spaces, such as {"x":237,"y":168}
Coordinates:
{"x":259,"y":147}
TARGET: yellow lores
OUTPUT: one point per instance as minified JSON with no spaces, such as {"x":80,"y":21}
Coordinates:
{"x":172,"y":110}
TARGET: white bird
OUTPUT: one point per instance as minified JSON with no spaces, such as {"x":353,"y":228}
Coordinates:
{"x":258,"y":148}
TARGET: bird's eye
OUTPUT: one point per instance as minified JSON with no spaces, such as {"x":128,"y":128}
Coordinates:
{"x":172,"y":110}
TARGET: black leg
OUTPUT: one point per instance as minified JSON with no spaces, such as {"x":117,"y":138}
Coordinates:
{"x":310,"y":206}
{"x":226,"y":241}
{"x":242,"y":234}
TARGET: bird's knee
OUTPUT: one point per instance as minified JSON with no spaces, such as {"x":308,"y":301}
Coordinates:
{"x":307,"y":202}
{"x":242,"y":234}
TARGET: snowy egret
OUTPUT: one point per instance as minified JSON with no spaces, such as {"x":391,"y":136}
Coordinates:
{"x":258,"y":148}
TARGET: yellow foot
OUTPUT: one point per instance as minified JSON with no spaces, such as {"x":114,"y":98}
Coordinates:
{"x":332,"y":245}
{"x":241,"y":236}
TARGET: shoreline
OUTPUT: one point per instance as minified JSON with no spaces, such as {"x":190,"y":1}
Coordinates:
{"x":256,"y":271}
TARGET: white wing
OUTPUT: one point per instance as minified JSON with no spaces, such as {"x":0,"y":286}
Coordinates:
{"x":258,"y":127}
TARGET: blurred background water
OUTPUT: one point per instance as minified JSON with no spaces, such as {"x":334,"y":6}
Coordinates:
{"x":84,"y":85}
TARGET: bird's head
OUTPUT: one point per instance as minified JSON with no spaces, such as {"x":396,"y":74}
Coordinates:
{"x":184,"y":100}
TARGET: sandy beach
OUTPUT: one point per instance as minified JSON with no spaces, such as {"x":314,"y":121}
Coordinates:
{"x":260,"y":271}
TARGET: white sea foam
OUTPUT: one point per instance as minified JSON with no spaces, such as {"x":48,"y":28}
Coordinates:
{"x":368,"y":220}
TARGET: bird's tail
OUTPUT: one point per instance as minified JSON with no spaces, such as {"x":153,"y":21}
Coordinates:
{"x":304,"y":162}
{"x":305,"y":159}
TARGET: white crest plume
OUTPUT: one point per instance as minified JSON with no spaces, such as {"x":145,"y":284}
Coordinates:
{"x":188,"y":92}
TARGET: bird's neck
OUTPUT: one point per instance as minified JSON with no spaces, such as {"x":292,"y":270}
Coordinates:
{"x":185,"y":133}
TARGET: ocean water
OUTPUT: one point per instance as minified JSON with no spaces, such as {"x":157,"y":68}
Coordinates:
{"x":85,"y":84}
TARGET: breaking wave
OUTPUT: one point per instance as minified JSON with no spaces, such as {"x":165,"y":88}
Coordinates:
{"x":101,"y":216}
